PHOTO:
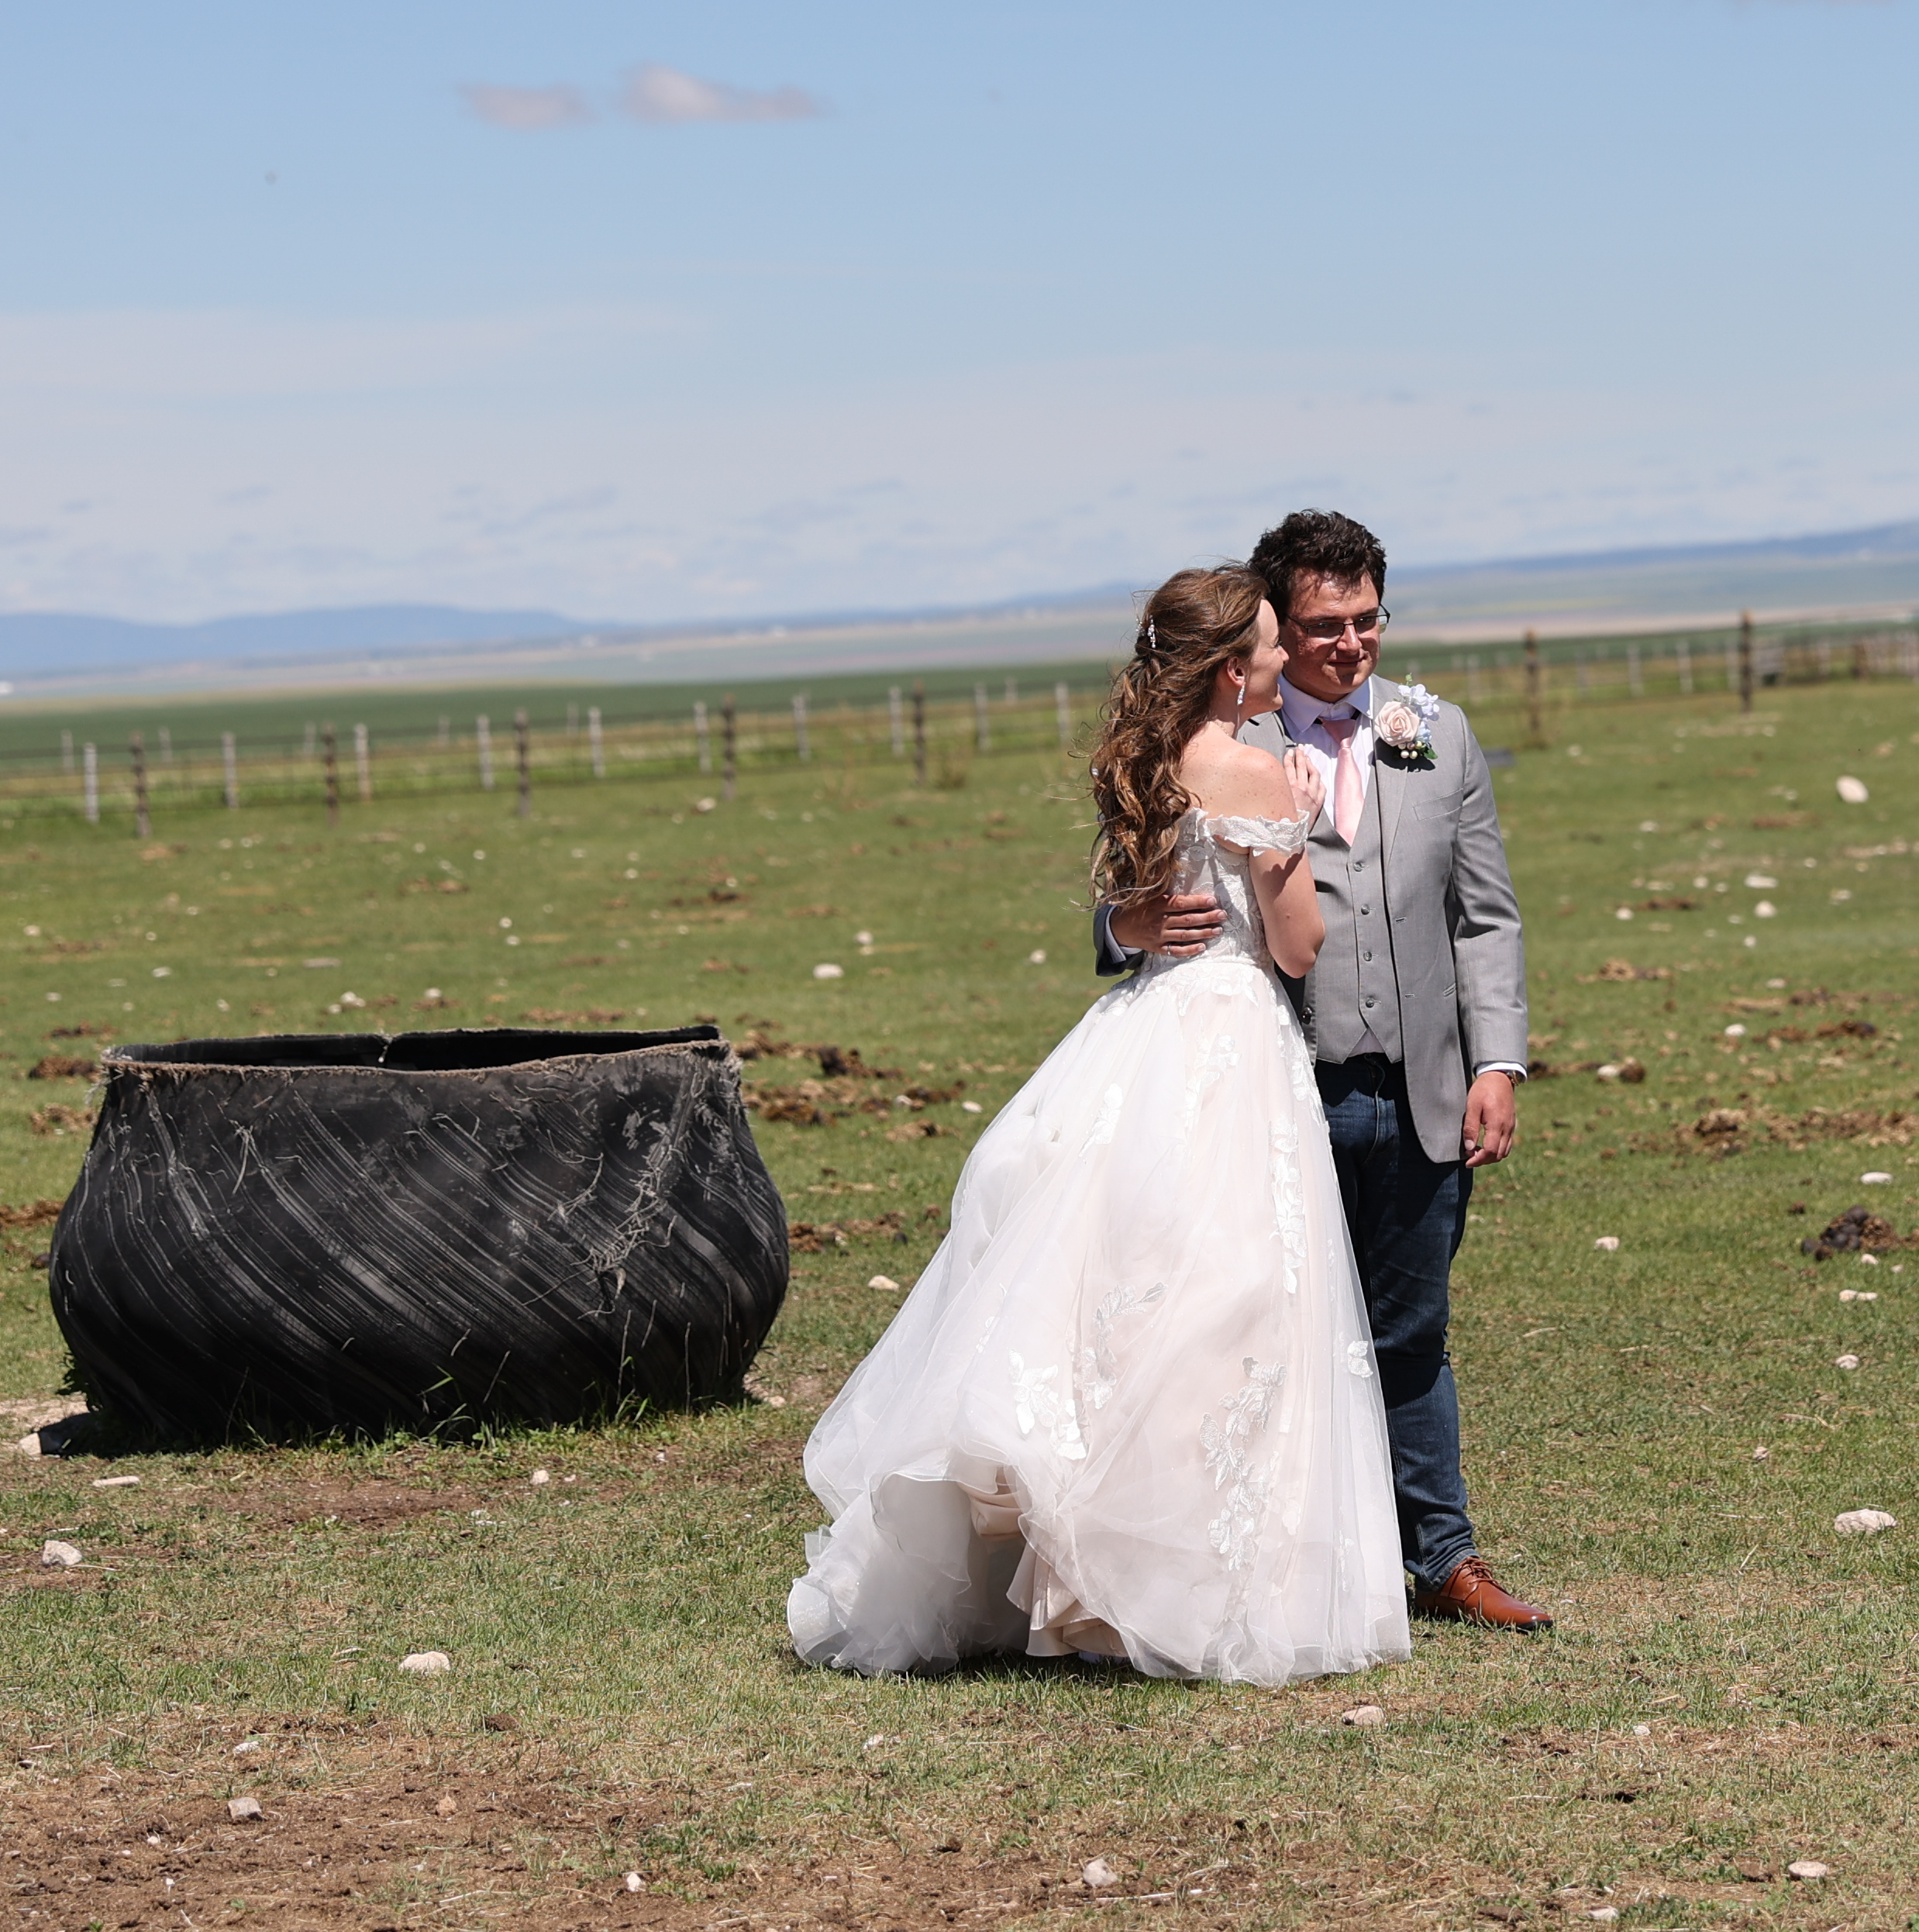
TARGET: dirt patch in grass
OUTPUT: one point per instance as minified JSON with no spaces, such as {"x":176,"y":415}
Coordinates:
{"x":373,"y":1505}
{"x":1721,"y":1131}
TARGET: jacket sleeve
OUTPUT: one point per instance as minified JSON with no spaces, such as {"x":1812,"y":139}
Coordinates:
{"x":1109,"y":957}
{"x":1489,"y":951}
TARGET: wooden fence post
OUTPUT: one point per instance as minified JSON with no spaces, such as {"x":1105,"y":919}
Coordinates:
{"x":919,"y":731}
{"x":362,"y":764}
{"x":66,"y":751}
{"x":523,"y":753}
{"x":1062,"y":705}
{"x":229,"y":769}
{"x":483,"y":737}
{"x":143,"y":821}
{"x":728,"y":748}
{"x":1745,"y":660}
{"x":1861,"y":658}
{"x":1535,"y":679}
{"x":1683,"y":653}
{"x":330,"y":757}
{"x":596,"y":742}
{"x":1636,"y":682}
{"x":800,"y":741}
{"x":166,"y":746}
{"x":90,"y":784}
{"x":702,"y":737}
{"x":982,"y":730}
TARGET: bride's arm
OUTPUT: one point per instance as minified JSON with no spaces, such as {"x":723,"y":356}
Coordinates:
{"x":1282,"y":881}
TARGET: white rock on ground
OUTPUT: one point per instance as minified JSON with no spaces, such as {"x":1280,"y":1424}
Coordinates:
{"x":59,"y":1556}
{"x":1853,"y":791}
{"x":1875,"y":1179}
{"x":1363,"y":1715}
{"x":1808,"y":1868}
{"x":885,"y":1283}
{"x":115,"y":1482}
{"x":1607,"y":1244}
{"x":1096,"y":1874}
{"x":1864,"y":1522}
{"x":427,"y":1663}
{"x":238,"y":1809}
{"x":29,"y":1445}
{"x":539,"y":1475}
{"x":1845,"y":1361}
{"x":635,"y":1882}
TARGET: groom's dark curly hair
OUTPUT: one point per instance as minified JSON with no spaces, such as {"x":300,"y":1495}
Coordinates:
{"x":1313,"y":544}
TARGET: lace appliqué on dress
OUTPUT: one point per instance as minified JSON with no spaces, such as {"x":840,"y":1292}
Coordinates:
{"x":1212,"y":1060}
{"x":1235,"y":1532}
{"x":1098,"y":1364}
{"x":1108,"y":1124}
{"x":1289,"y":1202}
{"x":1037,"y":1399}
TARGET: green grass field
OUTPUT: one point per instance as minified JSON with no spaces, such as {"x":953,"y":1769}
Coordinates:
{"x":1730,"y":1685}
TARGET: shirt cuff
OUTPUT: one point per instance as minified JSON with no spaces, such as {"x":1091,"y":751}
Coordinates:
{"x":1499,"y":1066}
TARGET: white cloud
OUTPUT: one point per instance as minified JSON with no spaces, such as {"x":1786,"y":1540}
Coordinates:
{"x":665,"y":96}
{"x":527,"y":110}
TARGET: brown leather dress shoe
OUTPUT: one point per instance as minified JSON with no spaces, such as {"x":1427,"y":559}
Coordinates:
{"x":1471,"y":1596}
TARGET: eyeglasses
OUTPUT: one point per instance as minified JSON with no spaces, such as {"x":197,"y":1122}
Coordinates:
{"x":1330,"y":630}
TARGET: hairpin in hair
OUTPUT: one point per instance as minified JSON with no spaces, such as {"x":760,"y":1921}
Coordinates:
{"x":1152,"y":636}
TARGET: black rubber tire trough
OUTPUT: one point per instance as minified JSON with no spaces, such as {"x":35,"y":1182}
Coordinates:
{"x":286,"y":1235}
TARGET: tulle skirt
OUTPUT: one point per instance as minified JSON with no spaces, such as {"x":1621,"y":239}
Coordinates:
{"x":1130,"y":1407}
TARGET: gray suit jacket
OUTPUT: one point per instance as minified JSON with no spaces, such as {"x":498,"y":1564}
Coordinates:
{"x":1458,"y":955}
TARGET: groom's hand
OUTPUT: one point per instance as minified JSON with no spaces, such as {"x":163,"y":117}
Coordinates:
{"x":1491,"y":1116}
{"x":1181,"y":924}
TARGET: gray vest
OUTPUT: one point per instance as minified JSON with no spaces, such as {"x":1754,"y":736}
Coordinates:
{"x":1355,"y":987}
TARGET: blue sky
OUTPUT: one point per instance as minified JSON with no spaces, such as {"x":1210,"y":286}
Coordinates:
{"x":650,"y":311}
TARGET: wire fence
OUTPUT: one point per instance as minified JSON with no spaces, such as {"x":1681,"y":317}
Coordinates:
{"x":716,"y":746}
{"x":930,"y":740}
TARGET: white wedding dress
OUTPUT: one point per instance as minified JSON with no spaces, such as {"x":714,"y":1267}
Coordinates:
{"x":1130,"y":1408}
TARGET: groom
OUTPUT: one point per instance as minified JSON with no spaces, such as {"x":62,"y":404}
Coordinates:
{"x":1415,"y":1010}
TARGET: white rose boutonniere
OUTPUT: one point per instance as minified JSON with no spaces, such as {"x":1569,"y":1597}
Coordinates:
{"x":1403,"y":728}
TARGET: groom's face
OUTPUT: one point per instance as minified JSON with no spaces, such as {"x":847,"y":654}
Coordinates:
{"x":1334,"y":669}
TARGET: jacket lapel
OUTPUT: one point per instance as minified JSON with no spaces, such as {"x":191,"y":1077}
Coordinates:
{"x":1389,"y":775}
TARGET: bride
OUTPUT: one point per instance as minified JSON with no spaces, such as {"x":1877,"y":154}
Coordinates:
{"x":1129,"y":1411}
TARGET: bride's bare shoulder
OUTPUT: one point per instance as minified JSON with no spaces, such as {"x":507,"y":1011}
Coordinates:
{"x":1240,"y":781}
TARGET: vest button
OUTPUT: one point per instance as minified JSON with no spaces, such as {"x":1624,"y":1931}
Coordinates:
{"x":1365,"y":909}
{"x":1370,"y":1001}
{"x":1359,"y":865}
{"x":1366,"y":958}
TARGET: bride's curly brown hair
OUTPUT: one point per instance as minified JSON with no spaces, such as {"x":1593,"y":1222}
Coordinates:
{"x":1196,"y":622}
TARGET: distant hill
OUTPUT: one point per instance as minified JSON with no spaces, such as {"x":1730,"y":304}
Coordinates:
{"x":1842,"y":570}
{"x":1865,"y":571}
{"x":35,"y":641}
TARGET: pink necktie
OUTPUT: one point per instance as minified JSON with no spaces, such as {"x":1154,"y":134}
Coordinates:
{"x":1349,"y":801}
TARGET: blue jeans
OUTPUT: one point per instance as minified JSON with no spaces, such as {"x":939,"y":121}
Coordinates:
{"x":1407,"y":1215}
